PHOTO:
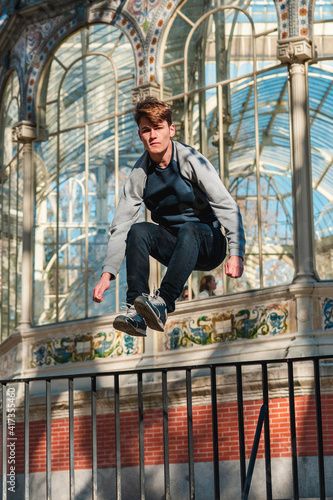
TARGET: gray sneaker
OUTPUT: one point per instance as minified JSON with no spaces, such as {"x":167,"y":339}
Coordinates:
{"x":152,"y":309}
{"x":131,"y":323}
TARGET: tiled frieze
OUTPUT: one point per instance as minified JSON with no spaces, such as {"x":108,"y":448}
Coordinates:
{"x":79,"y":348}
{"x":157,"y":26}
{"x":219,"y":327}
{"x":294,"y":18}
{"x":327,"y":313}
{"x":143,"y":11}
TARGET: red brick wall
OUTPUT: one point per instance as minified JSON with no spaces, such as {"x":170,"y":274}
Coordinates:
{"x":153,"y":435}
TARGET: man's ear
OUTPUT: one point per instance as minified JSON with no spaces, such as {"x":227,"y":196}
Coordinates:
{"x":139,"y":134}
{"x":172,"y":130}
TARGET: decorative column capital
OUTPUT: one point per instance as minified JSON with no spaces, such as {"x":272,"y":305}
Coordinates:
{"x":142,"y":91}
{"x":294,"y":50}
{"x":24,"y":131}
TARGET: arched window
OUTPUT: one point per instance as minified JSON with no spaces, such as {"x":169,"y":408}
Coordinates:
{"x":87,"y":143}
{"x":320,"y":77}
{"x":230,"y":96}
{"x":11,"y":192}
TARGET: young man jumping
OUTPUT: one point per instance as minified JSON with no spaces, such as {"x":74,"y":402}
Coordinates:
{"x":188,"y":203}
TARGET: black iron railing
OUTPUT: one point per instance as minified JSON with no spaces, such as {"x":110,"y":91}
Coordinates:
{"x":8,"y":424}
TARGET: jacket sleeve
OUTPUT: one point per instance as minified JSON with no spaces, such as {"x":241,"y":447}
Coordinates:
{"x":195,"y":167}
{"x":127,"y":213}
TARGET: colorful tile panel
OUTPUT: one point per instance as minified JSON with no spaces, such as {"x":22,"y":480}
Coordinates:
{"x":294,"y":18}
{"x":143,"y":11}
{"x":83,"y":347}
{"x":220,"y":327}
{"x":327,"y":314}
{"x":156,"y":30}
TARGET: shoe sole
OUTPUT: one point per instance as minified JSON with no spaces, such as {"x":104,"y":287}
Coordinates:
{"x":122,"y":326}
{"x":146,"y":312}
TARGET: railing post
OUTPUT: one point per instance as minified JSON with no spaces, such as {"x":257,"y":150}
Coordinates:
{"x":166,"y":435}
{"x":117,"y":436}
{"x":293,"y":430}
{"x":71,"y":439}
{"x":94,"y":438}
{"x":321,"y":467}
{"x":267,"y":434}
{"x":26,"y":442}
{"x":48,"y":442}
{"x":190,"y":433}
{"x":141,"y":437}
{"x":241,"y":432}
{"x":215,"y":434}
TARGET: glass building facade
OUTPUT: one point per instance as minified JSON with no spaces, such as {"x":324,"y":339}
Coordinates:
{"x":217,"y":65}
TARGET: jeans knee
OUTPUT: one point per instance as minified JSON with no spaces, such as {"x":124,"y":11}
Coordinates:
{"x":188,"y":230}
{"x":137,"y":232}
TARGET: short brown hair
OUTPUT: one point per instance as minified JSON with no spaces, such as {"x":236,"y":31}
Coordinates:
{"x":154,"y":109}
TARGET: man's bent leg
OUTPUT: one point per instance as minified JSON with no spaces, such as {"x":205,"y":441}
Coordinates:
{"x":194,"y":240}
{"x":145,"y":239}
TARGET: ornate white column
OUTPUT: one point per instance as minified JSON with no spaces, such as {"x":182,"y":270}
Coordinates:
{"x":296,"y":51}
{"x":24,"y":132}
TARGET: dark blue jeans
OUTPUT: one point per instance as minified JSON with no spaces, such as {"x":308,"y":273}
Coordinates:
{"x":195,"y":246}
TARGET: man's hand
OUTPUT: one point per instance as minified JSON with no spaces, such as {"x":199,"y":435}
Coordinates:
{"x":101,"y":286}
{"x":234,"y":267}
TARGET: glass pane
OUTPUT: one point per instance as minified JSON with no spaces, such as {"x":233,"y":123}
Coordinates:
{"x":70,"y":50}
{"x":321,"y":101}
{"x":51,"y":123}
{"x":10,"y":118}
{"x":11,"y":247}
{"x":71,"y":273}
{"x":72,"y":221}
{"x":102,"y":203}
{"x":19,"y":236}
{"x":173,"y":80}
{"x":11,"y":212}
{"x":53,"y":78}
{"x":275,"y":178}
{"x":86,"y":94}
{"x":174,"y":47}
{"x":5,"y":251}
{"x":263,"y":12}
{"x":323,"y":35}
{"x":103,"y":37}
{"x":220,"y":48}
{"x":45,"y":235}
{"x":323,"y":10}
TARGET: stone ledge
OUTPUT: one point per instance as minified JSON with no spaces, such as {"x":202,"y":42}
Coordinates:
{"x":256,"y":324}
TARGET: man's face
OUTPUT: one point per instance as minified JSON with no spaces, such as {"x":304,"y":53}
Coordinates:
{"x":156,"y":138}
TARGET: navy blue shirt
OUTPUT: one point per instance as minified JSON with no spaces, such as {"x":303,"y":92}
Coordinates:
{"x":173,"y":200}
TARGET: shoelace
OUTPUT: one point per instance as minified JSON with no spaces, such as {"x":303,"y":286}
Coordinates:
{"x":155,"y":296}
{"x":129,"y":308}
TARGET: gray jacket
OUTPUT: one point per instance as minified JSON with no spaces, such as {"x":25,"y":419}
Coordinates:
{"x":193,"y":167}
